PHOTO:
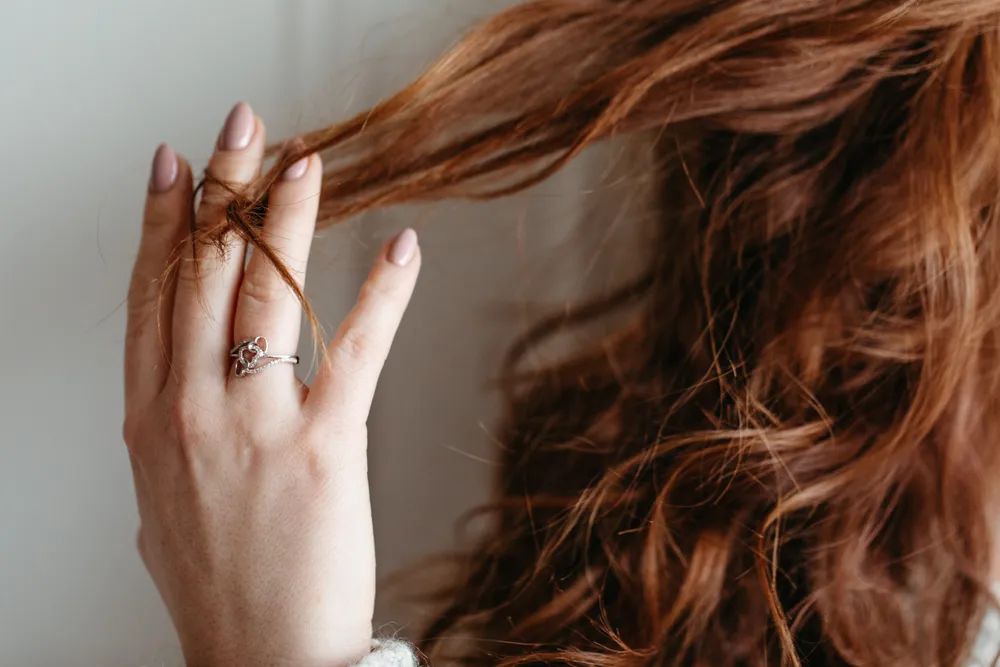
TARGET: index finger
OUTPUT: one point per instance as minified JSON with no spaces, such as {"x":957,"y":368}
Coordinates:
{"x":165,"y":225}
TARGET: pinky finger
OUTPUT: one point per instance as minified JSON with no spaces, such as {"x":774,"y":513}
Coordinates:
{"x":344,"y":388}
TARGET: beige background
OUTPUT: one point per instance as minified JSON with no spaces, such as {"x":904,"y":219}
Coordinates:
{"x":88,"y":90}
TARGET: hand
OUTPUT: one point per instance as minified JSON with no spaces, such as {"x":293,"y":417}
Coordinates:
{"x":253,"y":491}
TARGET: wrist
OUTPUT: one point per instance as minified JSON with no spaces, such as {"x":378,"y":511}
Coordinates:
{"x":345,"y":653}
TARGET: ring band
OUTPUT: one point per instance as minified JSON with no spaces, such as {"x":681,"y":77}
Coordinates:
{"x":250,"y":357}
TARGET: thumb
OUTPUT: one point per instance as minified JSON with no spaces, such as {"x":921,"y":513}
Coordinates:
{"x":345,"y":384}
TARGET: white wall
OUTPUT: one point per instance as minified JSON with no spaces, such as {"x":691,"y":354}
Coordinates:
{"x":88,"y":89}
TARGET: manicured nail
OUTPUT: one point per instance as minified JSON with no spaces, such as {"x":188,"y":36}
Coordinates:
{"x":164,"y":171}
{"x":403,"y":248}
{"x":297,"y":170}
{"x":239,"y":128}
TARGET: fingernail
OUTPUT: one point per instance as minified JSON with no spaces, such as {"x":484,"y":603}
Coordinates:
{"x":403,"y":248}
{"x":297,"y":170}
{"x":164,"y":172}
{"x":239,"y":128}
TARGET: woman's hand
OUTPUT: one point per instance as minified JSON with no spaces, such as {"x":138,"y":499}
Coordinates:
{"x":253,"y":491}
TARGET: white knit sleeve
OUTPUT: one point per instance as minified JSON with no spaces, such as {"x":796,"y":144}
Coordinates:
{"x":389,"y":653}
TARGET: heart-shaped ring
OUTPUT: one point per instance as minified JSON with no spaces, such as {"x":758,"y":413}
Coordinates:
{"x":248,"y":354}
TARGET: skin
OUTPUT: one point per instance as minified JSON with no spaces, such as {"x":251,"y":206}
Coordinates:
{"x":253,"y":492}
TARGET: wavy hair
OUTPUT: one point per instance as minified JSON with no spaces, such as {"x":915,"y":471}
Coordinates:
{"x":785,"y":453}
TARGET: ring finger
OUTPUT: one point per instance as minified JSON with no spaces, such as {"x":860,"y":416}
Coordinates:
{"x":266,"y":305}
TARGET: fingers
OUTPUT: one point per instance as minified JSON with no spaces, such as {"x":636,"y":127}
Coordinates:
{"x":346,"y":382}
{"x":206,"y":299}
{"x":266,"y":306}
{"x":165,"y":225}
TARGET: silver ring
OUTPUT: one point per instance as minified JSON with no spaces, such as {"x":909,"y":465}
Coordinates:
{"x":250,"y":357}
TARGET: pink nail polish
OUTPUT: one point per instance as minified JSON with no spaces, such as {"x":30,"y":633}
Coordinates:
{"x":403,"y":248}
{"x":297,"y":170}
{"x":164,"y":171}
{"x":239,"y":128}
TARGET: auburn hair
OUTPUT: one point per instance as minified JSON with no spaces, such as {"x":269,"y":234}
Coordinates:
{"x":785,"y":452}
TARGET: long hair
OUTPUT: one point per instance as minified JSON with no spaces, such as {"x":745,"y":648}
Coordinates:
{"x":784,"y":453}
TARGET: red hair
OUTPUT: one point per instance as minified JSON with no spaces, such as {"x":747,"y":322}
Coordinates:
{"x":785,"y":455}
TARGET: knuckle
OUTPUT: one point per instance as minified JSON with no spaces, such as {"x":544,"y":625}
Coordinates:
{"x":261,"y":289}
{"x":355,"y":345}
{"x":193,"y":272}
{"x":131,"y":434}
{"x":188,"y":281}
{"x":193,"y":268}
{"x":184,"y":421}
{"x":143,"y":302}
{"x":334,"y":454}
{"x":321,"y":470}
{"x":379,"y":291}
{"x":161,"y":219}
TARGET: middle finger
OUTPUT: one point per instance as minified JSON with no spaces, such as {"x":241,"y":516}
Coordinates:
{"x":205,"y":301}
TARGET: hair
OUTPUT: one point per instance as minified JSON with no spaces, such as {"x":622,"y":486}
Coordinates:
{"x":784,"y":452}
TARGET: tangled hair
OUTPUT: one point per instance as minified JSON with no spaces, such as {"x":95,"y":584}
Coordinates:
{"x":784,"y":454}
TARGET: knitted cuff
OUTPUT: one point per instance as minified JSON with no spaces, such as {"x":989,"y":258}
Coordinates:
{"x":389,"y":653}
